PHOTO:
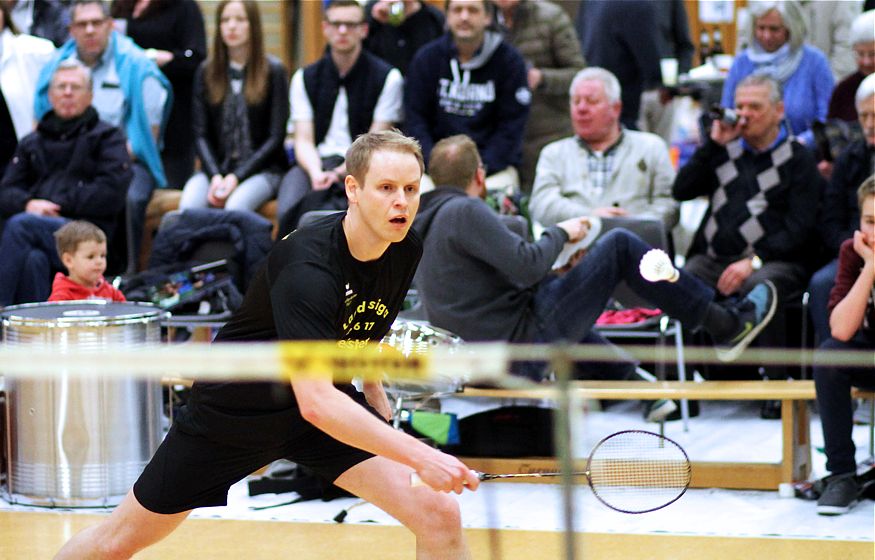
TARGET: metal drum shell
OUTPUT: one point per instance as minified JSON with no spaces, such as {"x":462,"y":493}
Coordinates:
{"x":72,"y":441}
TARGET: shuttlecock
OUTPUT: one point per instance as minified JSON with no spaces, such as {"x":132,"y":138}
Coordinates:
{"x":656,"y":266}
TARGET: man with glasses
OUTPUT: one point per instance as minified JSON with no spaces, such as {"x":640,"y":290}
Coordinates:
{"x":471,"y":82}
{"x":346,"y":93}
{"x":129,"y":92}
{"x":73,"y":167}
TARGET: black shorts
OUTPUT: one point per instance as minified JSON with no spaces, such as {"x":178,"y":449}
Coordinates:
{"x":190,"y":471}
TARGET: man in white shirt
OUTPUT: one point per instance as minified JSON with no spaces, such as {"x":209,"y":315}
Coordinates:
{"x":346,"y":93}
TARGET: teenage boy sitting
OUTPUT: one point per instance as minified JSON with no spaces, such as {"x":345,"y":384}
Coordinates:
{"x":82,"y":248}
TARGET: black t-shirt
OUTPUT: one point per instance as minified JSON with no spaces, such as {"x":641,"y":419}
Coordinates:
{"x":310,"y":288}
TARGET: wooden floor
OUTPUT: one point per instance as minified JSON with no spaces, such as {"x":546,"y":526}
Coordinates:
{"x":33,"y":536}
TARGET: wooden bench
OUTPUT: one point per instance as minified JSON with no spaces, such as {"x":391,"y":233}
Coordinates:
{"x":795,"y":463}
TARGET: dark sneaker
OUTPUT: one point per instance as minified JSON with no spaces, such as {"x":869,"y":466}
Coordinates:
{"x":754,"y":313}
{"x":840,"y":495}
{"x":658,"y":411}
{"x":770,"y":410}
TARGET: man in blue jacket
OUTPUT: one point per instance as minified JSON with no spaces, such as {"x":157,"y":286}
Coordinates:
{"x":470,"y":82}
{"x":130,"y":92}
{"x":73,"y":166}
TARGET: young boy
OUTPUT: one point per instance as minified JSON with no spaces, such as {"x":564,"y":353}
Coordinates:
{"x":852,"y":326}
{"x":82,"y":247}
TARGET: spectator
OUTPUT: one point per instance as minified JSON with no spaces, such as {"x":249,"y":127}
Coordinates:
{"x":49,"y":19}
{"x":828,"y":23}
{"x":764,"y":190}
{"x":346,"y":93}
{"x":841,"y":104}
{"x":471,"y":82}
{"x":622,"y":38}
{"x":130,"y":92}
{"x":82,"y":248}
{"x":674,"y":34}
{"x":839,"y":214}
{"x":852,"y":325}
{"x":603,"y":170}
{"x":21,"y":57}
{"x":485,"y":283}
{"x":239,"y":110}
{"x":172,"y":32}
{"x":543,"y":34}
{"x":74,"y":166}
{"x":778,"y":50}
{"x":395,"y":36}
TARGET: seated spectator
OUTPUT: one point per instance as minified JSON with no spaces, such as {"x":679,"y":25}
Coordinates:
{"x":346,"y":93}
{"x":239,"y":111}
{"x":852,"y":326}
{"x":543,"y":34}
{"x":82,"y":248}
{"x":172,"y":32}
{"x":485,"y":283}
{"x":839,"y":213}
{"x":74,"y":166}
{"x":471,"y":82}
{"x":130,"y":92}
{"x":49,"y":19}
{"x":21,"y":57}
{"x":841,"y":104}
{"x":764,"y":191}
{"x":395,"y":36}
{"x":778,"y":50}
{"x":603,"y":170}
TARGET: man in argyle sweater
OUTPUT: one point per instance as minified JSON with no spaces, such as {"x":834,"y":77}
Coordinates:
{"x":763,"y":188}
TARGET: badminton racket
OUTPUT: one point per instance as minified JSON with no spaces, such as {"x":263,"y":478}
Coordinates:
{"x":656,"y":265}
{"x":632,"y":471}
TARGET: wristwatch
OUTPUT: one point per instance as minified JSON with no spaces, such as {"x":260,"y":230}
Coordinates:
{"x":756,"y":263}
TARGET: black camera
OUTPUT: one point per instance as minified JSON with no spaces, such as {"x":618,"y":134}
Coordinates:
{"x":725,"y":114}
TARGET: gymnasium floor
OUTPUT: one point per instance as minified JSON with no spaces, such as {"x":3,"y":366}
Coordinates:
{"x":509,"y":521}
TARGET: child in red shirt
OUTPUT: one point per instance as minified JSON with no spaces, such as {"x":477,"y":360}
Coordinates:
{"x":82,"y":247}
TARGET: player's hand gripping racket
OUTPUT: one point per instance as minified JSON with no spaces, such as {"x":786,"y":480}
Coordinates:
{"x":632,"y":471}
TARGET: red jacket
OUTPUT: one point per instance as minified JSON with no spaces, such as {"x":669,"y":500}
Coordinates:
{"x":64,"y":289}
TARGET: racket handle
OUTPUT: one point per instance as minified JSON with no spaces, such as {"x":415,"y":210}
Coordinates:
{"x":416,"y":480}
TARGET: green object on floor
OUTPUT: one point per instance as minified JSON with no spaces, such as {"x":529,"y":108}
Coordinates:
{"x":443,"y":428}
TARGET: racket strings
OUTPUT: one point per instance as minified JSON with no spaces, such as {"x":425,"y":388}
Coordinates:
{"x":636,"y":472}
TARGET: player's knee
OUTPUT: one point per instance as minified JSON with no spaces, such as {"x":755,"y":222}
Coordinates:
{"x":441,"y":516}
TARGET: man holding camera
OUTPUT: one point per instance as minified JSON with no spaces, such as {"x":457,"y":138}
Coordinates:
{"x":764,"y":189}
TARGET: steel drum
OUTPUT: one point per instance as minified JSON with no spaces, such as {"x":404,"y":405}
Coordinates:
{"x":73,"y":441}
{"x":417,"y":337}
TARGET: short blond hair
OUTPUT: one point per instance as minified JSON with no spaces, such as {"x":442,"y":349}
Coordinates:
{"x":71,"y":234}
{"x":866,"y":190}
{"x":359,"y":154}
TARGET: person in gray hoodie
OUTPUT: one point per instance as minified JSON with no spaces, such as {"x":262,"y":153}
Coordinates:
{"x":485,"y":283}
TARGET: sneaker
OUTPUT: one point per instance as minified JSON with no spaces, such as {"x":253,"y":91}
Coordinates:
{"x":659,"y":411}
{"x":770,"y":410}
{"x":840,"y":495}
{"x":754,"y":313}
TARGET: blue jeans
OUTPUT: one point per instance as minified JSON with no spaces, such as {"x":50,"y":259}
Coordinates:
{"x":29,"y":257}
{"x":819,"y":287}
{"x":567,"y":306}
{"x":139,"y":194}
{"x":833,"y":386}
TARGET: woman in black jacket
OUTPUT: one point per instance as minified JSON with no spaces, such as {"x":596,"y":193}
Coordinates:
{"x":239,"y":110}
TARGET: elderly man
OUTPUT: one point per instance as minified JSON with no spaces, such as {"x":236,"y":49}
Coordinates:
{"x":129,"y":92}
{"x":764,"y":190}
{"x":73,"y":166}
{"x":841,"y":104}
{"x":604,"y":169}
{"x":347,"y":92}
{"x":839,"y":215}
{"x":471,"y":82}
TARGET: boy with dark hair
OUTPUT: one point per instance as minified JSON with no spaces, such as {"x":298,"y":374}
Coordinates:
{"x":82,"y":248}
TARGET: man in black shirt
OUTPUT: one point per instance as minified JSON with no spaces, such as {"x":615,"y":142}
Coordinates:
{"x":344,"y":279}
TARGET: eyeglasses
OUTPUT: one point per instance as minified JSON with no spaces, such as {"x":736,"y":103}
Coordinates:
{"x":348,"y":24}
{"x":863,"y":55}
{"x":83,"y":24}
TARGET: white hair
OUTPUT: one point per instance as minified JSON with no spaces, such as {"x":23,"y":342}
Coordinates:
{"x":865,"y":90}
{"x":863,"y":28}
{"x":791,"y":17}
{"x":608,"y":80}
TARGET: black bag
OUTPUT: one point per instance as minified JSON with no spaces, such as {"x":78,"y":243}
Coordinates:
{"x":187,"y":288}
{"x":510,"y":431}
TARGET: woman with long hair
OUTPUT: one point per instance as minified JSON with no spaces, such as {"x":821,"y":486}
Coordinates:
{"x":239,"y":111}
